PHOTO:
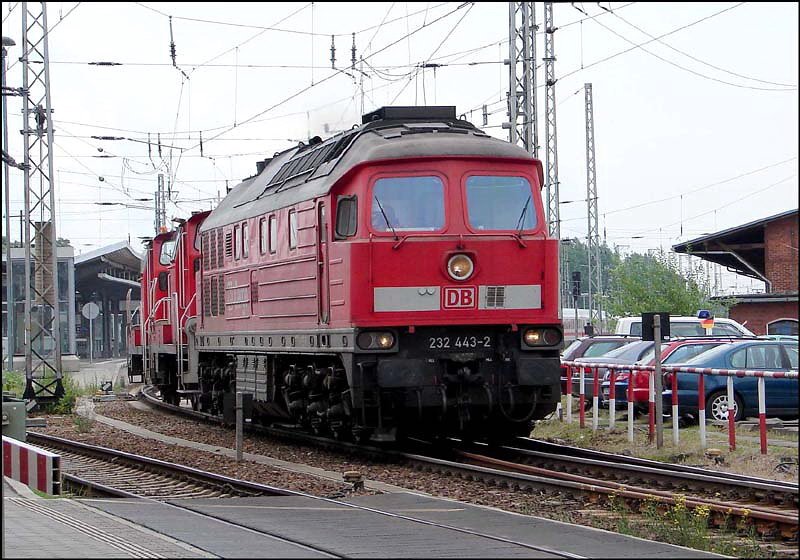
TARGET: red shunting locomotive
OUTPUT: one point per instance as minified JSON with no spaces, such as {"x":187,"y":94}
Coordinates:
{"x":396,"y":278}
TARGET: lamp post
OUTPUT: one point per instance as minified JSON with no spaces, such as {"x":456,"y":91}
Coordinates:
{"x":11,"y":343}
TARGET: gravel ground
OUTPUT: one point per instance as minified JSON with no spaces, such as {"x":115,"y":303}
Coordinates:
{"x":559,"y":507}
{"x":547,"y":505}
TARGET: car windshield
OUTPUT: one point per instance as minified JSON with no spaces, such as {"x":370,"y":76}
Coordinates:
{"x":688,"y":351}
{"x":602,"y":348}
{"x":500,"y":203}
{"x":567,"y":353}
{"x":630,"y":351}
{"x":708,"y":356}
{"x":408,"y":204}
{"x":792,"y":351}
{"x":683,"y":328}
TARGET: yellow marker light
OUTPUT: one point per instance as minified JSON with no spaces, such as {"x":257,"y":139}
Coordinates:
{"x":385,"y":340}
{"x":532,"y":337}
{"x":460,"y":267}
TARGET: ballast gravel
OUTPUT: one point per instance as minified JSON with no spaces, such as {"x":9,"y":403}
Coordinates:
{"x":563,"y":508}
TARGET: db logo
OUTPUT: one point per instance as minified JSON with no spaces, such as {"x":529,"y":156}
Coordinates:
{"x":459,"y":298}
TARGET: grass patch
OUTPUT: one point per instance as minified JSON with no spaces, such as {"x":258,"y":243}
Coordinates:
{"x":745,"y":459}
{"x":14,"y":382}
{"x":83,"y":424}
{"x":681,"y":526}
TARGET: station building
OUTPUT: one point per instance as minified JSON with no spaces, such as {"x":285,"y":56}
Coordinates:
{"x":107,"y":276}
{"x":766,"y":250}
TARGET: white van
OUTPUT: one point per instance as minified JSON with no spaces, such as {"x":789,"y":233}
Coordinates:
{"x":684,"y":326}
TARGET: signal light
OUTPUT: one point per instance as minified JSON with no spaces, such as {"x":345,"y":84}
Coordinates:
{"x":546,"y":336}
{"x":375,"y":340}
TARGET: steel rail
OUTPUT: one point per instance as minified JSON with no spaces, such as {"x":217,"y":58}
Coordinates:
{"x":547,"y":478}
{"x":700,"y":475}
{"x":139,"y":462}
{"x":729,"y":477}
{"x":629,"y":491}
{"x":286,"y":492}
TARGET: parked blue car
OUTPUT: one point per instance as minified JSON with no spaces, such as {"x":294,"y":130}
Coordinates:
{"x":781,"y":395}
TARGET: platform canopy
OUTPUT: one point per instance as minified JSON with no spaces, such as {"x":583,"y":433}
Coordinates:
{"x":113,"y":263}
{"x":740,"y":248}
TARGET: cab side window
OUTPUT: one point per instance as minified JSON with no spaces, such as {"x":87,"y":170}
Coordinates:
{"x":346,"y":216}
{"x":292,"y":229}
{"x":245,"y":241}
{"x":262,"y":235}
{"x":273,"y":234}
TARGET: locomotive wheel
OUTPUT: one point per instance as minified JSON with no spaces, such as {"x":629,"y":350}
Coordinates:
{"x":360,"y":434}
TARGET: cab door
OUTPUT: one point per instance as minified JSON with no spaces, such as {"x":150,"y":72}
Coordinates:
{"x":323,"y":285}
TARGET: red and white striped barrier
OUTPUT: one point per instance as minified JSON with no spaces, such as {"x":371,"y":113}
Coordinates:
{"x":702,"y":372}
{"x":37,"y":468}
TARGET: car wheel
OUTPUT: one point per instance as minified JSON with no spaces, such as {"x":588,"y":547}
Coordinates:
{"x":717,"y":406}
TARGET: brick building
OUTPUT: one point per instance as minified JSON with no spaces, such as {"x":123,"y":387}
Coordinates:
{"x":766,"y":250}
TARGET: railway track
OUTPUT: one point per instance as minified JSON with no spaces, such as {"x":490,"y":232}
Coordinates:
{"x":113,"y":473}
{"x":108,"y":472}
{"x":769,"y":507}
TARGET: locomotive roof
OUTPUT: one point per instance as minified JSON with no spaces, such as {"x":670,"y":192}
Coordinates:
{"x":308,"y":171}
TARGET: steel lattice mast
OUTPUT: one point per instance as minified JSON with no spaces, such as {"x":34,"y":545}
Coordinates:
{"x":551,"y":149}
{"x":43,"y":372}
{"x":521,"y":62}
{"x":593,"y":230}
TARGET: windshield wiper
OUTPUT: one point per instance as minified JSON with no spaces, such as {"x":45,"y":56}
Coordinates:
{"x":386,"y":218}
{"x":521,"y":220}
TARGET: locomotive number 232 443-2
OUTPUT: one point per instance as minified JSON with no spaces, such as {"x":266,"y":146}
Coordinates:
{"x":458,"y":342}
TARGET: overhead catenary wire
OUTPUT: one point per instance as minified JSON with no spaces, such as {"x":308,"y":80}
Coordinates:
{"x":676,"y":65}
{"x":701,"y":188}
{"x":684,"y":53}
{"x":332,"y":75}
{"x":273,"y":28}
{"x":442,"y":42}
{"x":718,"y":207}
{"x":46,"y":34}
{"x":10,"y":11}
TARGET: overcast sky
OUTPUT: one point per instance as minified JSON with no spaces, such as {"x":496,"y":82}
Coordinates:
{"x":687,"y":142}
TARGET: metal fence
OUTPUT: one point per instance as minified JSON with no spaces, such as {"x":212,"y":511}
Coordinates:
{"x":582,"y":368}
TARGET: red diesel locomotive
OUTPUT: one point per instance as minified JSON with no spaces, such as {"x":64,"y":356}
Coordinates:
{"x":396,"y":278}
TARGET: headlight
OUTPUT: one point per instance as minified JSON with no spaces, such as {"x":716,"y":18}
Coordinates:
{"x":375,"y":340}
{"x":460,"y":267}
{"x":543,"y":336}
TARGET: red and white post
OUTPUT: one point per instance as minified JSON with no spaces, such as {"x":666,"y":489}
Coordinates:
{"x":631,"y":382}
{"x":582,"y":398}
{"x":762,"y":415}
{"x":612,"y":409}
{"x":569,"y":394}
{"x":731,"y":416}
{"x":701,"y":410}
{"x":675,"y":418}
{"x":651,"y":397}
{"x":596,"y":399}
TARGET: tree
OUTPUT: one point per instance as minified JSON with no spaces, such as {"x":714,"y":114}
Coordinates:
{"x":60,"y":242}
{"x":654,"y":282}
{"x":576,"y":257}
{"x":13,"y":243}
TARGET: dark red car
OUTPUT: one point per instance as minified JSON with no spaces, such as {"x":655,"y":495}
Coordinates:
{"x":672,"y":352}
{"x":591,"y":347}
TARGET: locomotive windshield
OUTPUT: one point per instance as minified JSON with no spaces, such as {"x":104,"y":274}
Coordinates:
{"x":500,"y":203}
{"x":167,"y":252}
{"x":408,"y":204}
